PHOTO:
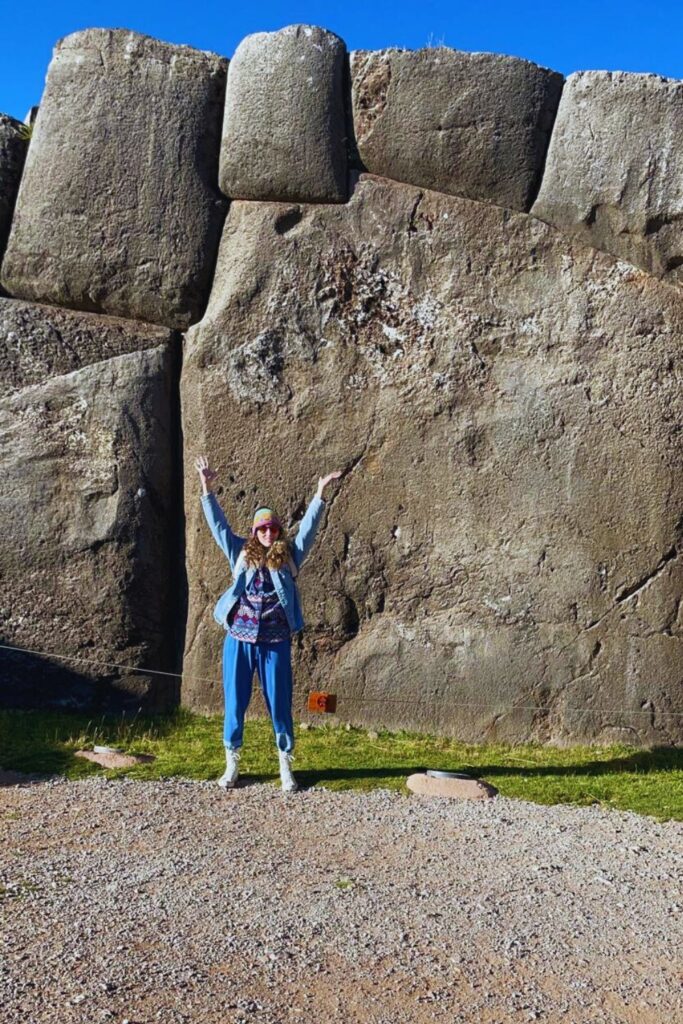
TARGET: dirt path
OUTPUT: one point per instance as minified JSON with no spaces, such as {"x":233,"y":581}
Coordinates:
{"x":174,"y":901}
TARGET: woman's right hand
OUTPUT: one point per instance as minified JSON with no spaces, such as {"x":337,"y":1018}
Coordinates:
{"x":206,"y":474}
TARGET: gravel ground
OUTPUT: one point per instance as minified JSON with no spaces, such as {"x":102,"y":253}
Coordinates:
{"x":175,"y":901}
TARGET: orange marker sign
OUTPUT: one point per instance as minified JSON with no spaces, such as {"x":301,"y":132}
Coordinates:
{"x":322,"y":702}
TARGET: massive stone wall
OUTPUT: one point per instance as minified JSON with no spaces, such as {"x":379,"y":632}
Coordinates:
{"x":90,"y":539}
{"x":469,"y":124}
{"x":502,"y":558}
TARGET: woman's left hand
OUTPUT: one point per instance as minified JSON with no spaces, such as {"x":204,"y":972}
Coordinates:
{"x":324,"y":481}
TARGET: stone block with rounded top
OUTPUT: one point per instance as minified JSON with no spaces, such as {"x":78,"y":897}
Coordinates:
{"x":284,"y":135}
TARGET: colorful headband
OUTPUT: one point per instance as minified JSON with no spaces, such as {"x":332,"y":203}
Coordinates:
{"x":264,"y":517}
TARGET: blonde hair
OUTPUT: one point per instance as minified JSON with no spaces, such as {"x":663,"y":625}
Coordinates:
{"x":274,"y":557}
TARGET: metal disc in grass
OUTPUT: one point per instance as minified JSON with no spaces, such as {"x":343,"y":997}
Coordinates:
{"x":435,"y":774}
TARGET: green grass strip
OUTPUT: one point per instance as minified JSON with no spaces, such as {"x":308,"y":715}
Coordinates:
{"x":188,"y":745}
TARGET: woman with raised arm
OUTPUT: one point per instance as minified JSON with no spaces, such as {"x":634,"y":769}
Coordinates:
{"x":260,"y":611}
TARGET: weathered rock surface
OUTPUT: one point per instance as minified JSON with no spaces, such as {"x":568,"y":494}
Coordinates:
{"x":39,"y":342}
{"x":469,"y":124}
{"x":614,"y":174}
{"x":502,"y":559}
{"x":118,"y":210}
{"x":284,"y":128}
{"x":455,"y":789}
{"x":13,"y":146}
{"x":89,"y":566}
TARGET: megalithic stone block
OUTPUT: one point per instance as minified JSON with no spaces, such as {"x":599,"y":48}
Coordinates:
{"x":502,"y":559}
{"x":90,"y":560}
{"x":284,"y":129}
{"x":614,"y":174}
{"x":13,"y":146}
{"x":118,"y":210}
{"x":39,"y":342}
{"x":469,"y":124}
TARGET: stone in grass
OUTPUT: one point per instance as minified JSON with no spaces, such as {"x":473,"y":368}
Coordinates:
{"x":460,"y":789}
{"x":115,"y":760}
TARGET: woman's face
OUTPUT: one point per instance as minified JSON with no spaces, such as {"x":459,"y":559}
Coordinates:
{"x":268,"y":535}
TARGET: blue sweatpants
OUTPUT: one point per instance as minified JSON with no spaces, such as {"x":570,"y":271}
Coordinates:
{"x":273,"y":663}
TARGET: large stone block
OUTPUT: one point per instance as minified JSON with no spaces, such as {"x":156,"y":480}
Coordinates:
{"x":118,"y":210}
{"x":13,"y":146}
{"x":614,"y":174}
{"x":502,"y":559}
{"x":284,"y":128}
{"x":39,"y":342}
{"x":469,"y":124}
{"x":91,"y":580}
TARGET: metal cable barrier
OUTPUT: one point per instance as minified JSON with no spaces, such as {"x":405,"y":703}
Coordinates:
{"x":348,"y":699}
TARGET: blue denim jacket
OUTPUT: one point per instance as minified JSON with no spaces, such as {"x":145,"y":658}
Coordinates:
{"x":283,"y":581}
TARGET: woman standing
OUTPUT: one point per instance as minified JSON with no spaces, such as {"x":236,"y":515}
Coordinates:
{"x":260,"y":611}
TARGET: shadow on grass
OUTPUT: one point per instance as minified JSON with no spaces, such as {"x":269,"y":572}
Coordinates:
{"x":641,"y":761}
{"x":308,"y":777}
{"x":38,"y":742}
{"x":45,"y":704}
{"x":45,"y":742}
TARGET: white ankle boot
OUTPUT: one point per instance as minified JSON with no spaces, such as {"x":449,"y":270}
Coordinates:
{"x":229,"y":776}
{"x":289,"y":783}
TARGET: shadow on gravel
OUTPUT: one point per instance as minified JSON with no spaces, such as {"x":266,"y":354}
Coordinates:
{"x":21,"y":779}
{"x":308,"y":779}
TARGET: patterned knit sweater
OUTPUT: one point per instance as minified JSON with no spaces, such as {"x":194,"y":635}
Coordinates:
{"x":259,"y":616}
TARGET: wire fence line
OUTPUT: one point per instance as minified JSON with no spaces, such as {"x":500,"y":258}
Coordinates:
{"x":349,"y":699}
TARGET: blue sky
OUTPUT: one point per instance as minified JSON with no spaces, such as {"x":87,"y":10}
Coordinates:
{"x":586,"y":34}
